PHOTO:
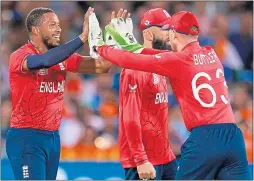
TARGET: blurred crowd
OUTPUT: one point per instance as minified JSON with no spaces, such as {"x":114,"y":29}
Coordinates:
{"x":89,"y":128}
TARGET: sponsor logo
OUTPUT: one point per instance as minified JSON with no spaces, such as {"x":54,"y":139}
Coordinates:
{"x":156,"y":79}
{"x":133,"y":87}
{"x":25,"y":171}
{"x":157,"y":56}
{"x":43,"y":72}
{"x":147,"y":23}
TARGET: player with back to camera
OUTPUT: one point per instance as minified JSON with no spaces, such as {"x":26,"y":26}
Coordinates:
{"x":215,"y":149}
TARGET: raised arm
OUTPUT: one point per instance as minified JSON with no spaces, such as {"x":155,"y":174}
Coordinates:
{"x":58,"y":54}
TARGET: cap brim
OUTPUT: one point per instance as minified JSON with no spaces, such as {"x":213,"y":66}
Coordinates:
{"x":156,"y":25}
{"x":166,"y":25}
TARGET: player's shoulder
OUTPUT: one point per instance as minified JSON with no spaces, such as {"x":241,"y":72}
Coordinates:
{"x":132,"y":73}
{"x":136,"y":75}
{"x":175,"y":55}
{"x":207,"y":47}
{"x":23,"y":50}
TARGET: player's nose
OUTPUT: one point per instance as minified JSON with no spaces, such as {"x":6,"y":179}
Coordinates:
{"x":58,"y":29}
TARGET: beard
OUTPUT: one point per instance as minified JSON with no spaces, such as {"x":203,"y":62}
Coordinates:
{"x":48,"y":42}
{"x":160,"y":45}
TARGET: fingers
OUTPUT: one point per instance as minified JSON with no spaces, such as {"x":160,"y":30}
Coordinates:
{"x":124,"y":14}
{"x":88,"y":13}
{"x":119,"y":14}
{"x":147,"y":175}
{"x":113,"y":15}
{"x":153,"y":174}
{"x":142,"y":176}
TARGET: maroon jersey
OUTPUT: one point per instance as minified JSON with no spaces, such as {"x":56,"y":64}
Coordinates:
{"x":143,"y":119}
{"x":37,"y":95}
{"x":196,"y":76}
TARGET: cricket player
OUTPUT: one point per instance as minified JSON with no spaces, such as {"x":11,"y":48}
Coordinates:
{"x":215,"y":148}
{"x":145,"y":152}
{"x":37,"y":79}
{"x":150,"y":26}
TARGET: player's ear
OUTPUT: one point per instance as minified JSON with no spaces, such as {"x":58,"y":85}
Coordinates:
{"x":171,"y":35}
{"x":148,"y":35}
{"x":35,"y":30}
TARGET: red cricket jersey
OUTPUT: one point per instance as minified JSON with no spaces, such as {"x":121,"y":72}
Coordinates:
{"x":143,"y":119}
{"x":37,"y":95}
{"x":196,"y":76}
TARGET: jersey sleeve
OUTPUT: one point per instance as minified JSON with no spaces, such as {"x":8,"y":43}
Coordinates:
{"x":17,"y":59}
{"x":72,"y":63}
{"x":131,"y":103}
{"x":167,"y":64}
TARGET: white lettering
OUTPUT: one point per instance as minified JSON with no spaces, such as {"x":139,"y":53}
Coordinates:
{"x":195,"y":57}
{"x":49,"y":87}
{"x":161,"y":97}
{"x":200,"y":59}
{"x":25,"y":171}
{"x":55,"y":90}
{"x":61,"y":86}
{"x":42,"y":86}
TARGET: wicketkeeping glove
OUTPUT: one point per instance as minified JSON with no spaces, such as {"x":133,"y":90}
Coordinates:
{"x":109,"y":39}
{"x":95,"y":38}
{"x":122,"y":33}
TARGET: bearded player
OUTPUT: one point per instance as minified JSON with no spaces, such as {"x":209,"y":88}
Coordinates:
{"x":145,"y":152}
{"x":37,"y":77}
{"x":150,"y":26}
{"x":215,"y":148}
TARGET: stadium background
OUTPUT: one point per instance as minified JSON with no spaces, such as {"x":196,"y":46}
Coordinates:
{"x":89,"y":126}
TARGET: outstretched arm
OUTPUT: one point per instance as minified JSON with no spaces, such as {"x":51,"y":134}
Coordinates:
{"x":164,"y":63}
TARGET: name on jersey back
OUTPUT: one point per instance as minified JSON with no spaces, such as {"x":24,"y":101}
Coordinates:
{"x":201,"y":59}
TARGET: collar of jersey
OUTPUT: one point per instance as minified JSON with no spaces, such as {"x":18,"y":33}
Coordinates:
{"x":33,"y":47}
{"x":194,"y":43}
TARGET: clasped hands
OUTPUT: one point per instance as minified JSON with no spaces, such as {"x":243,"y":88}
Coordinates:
{"x":118,"y":33}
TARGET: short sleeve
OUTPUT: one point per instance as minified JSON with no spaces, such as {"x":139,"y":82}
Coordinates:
{"x":17,"y":59}
{"x":72,"y":63}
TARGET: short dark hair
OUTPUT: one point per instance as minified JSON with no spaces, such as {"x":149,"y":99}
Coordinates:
{"x":34,"y":17}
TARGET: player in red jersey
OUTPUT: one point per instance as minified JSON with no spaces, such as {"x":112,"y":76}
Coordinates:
{"x":143,"y":113}
{"x":215,"y":148}
{"x":150,"y":25}
{"x":37,"y":77}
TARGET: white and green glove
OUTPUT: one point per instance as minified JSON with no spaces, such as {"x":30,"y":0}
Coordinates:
{"x":95,"y":38}
{"x":109,"y":39}
{"x":122,"y":33}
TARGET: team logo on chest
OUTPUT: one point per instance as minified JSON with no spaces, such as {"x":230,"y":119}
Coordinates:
{"x":156,"y":79}
{"x":43,"y":72}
